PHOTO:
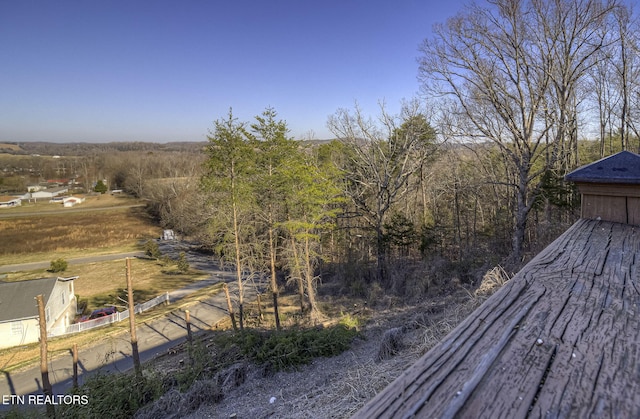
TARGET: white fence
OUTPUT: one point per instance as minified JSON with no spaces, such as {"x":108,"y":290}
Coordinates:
{"x":116,"y":317}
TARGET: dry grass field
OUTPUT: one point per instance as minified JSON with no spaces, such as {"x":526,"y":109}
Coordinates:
{"x":101,"y":226}
{"x":9,"y":147}
{"x":55,"y":233}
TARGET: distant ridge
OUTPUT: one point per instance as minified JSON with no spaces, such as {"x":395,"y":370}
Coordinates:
{"x":45,"y":148}
{"x":79,"y":148}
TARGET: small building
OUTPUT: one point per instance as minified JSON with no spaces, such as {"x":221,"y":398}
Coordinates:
{"x":19,"y":311}
{"x":71,"y":201}
{"x":610,"y":188}
{"x":10,"y":201}
{"x":168,"y":235}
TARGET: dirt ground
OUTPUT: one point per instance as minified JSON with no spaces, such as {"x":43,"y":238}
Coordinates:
{"x":329,"y":387}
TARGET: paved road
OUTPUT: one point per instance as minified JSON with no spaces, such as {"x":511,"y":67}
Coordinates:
{"x":114,"y":353}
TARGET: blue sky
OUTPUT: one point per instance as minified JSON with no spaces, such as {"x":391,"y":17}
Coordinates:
{"x":99,"y":71}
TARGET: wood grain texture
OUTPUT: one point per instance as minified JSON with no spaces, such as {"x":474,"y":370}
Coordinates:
{"x":608,"y":208}
{"x":561,"y":339}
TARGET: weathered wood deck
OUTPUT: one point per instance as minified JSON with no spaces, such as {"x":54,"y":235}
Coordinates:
{"x":561,"y":339}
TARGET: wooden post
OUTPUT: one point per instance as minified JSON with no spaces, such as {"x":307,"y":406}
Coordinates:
{"x":230,"y":307}
{"x":44,"y":369}
{"x":132,"y":322}
{"x":187,"y":316}
{"x":75,"y":365}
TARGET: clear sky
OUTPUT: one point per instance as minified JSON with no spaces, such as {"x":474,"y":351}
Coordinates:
{"x":127,"y":70}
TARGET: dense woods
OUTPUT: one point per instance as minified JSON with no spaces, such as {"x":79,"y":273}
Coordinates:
{"x":515,"y":94}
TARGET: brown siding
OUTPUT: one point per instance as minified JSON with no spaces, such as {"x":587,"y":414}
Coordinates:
{"x":633,"y":209}
{"x":606,"y":208}
{"x":609,"y":189}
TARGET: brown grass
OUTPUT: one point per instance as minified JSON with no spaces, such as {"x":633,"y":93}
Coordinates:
{"x":56,"y":233}
{"x":12,"y":147}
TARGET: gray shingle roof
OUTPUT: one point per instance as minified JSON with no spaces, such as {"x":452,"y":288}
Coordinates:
{"x":623,"y":167}
{"x":17,"y":299}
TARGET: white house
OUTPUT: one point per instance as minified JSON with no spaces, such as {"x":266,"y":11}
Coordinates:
{"x":19,"y":309}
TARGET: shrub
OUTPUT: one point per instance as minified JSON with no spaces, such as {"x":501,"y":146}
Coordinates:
{"x":391,"y":343}
{"x":183,"y":264}
{"x":117,"y":395}
{"x":288,"y":349}
{"x":58,"y":265}
{"x":152,"y":249}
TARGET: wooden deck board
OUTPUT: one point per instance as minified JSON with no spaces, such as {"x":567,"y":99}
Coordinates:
{"x":561,"y":339}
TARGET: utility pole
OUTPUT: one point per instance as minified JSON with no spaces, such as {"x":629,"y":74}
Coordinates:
{"x":44,"y":369}
{"x":132,"y":322}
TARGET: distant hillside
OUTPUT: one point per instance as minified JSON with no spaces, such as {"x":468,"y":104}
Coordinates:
{"x":80,"y":149}
{"x":11,"y":148}
{"x":44,"y":148}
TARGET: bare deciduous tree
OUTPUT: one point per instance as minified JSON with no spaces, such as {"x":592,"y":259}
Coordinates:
{"x":382,"y":156}
{"x":513,"y":69}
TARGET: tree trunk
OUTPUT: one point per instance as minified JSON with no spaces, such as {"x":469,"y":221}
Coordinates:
{"x":298,"y":274}
{"x":236,"y":233}
{"x":522,"y":213}
{"x":381,"y":254}
{"x":274,"y":282}
{"x":314,"y":313}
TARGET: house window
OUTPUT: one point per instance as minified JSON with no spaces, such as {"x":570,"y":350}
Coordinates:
{"x":16,"y":328}
{"x":62,"y":294}
{"x":47,"y":314}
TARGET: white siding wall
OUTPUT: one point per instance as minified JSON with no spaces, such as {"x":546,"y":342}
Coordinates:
{"x":61,"y":305}
{"x":19,"y":332}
